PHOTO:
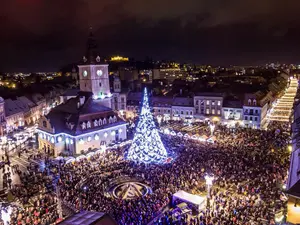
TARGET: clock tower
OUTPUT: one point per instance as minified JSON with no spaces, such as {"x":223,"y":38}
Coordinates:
{"x":93,"y":74}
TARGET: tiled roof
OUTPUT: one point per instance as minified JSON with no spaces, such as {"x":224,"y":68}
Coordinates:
{"x":71,"y":92}
{"x":27,"y":101}
{"x":73,"y":113}
{"x":233,"y":104}
{"x":211,"y":94}
{"x":183,"y":101}
{"x":89,"y":218}
{"x":11,"y":107}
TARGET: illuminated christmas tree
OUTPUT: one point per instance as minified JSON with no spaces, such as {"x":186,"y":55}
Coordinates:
{"x":147,"y":146}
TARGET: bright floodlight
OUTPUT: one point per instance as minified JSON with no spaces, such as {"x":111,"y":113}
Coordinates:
{"x":147,"y":146}
{"x":5,"y":215}
{"x":212,"y":128}
{"x":209,"y":180}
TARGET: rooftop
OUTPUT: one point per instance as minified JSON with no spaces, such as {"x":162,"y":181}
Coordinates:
{"x":89,"y":218}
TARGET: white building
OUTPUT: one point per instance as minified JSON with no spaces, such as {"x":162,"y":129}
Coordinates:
{"x":208,"y":105}
{"x":14,"y":115}
{"x":232,"y":112}
{"x":183,"y":108}
{"x":255,"y":110}
{"x":87,"y":121}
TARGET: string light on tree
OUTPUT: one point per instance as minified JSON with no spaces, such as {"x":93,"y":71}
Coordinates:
{"x":147,"y":146}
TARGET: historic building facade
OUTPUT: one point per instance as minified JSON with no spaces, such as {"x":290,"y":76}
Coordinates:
{"x":87,"y":121}
{"x":2,"y":117}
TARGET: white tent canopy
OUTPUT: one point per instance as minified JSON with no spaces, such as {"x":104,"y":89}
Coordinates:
{"x":190,"y":198}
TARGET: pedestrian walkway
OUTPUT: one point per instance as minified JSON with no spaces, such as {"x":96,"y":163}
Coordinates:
{"x":24,"y":161}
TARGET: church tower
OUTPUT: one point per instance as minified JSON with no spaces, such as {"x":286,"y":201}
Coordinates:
{"x":117,"y":84}
{"x":93,"y":75}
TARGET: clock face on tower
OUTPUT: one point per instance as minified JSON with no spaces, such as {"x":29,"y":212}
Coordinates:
{"x":99,"y":73}
{"x":85,"y":73}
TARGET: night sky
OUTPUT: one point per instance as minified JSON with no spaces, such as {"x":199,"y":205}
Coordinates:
{"x":47,"y":34}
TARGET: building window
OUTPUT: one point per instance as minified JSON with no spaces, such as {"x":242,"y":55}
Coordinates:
{"x":44,"y":124}
{"x":181,"y":112}
{"x":255,"y":118}
{"x":213,"y":102}
{"x":219,"y":103}
{"x":191,"y":113}
{"x":254,"y":102}
{"x":250,"y":117}
{"x":213,"y":111}
{"x":96,"y":123}
{"x":246,"y":117}
{"x":207,"y":102}
{"x":219,"y":112}
{"x":88,"y":124}
{"x":207,"y":111}
{"x":99,"y":84}
{"x":256,"y":111}
{"x":249,"y":101}
{"x":83,"y":126}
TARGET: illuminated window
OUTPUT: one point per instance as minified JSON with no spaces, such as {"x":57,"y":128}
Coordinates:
{"x":207,"y":102}
{"x":213,"y":111}
{"x":219,"y":112}
{"x":213,"y":102}
{"x":219,"y":103}
{"x":207,"y":111}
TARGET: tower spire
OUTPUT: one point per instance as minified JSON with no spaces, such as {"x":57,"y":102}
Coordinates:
{"x":91,"y":56}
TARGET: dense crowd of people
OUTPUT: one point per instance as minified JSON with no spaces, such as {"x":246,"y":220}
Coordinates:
{"x":251,"y":163}
{"x":249,"y":167}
